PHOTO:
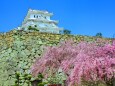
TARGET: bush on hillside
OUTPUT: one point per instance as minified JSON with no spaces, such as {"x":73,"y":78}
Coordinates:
{"x":32,"y":28}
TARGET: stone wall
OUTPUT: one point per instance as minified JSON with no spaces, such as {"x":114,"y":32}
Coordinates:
{"x":18,"y":50}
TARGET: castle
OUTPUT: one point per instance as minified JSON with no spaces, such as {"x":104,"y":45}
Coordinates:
{"x":41,"y":21}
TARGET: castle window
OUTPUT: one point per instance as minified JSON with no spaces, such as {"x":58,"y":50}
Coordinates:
{"x":37,"y":16}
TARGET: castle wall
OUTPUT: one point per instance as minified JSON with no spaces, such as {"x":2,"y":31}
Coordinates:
{"x":42,"y":20}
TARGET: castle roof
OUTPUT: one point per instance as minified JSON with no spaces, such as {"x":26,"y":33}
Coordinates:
{"x":40,"y":12}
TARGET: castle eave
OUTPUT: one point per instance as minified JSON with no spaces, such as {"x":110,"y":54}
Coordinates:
{"x":40,"y":12}
{"x":41,"y":20}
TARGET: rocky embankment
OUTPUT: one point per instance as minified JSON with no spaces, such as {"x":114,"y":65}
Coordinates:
{"x":18,"y":50}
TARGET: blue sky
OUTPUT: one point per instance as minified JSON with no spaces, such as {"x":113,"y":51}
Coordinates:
{"x":85,"y":17}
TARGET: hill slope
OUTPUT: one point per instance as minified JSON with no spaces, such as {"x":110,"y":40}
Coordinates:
{"x":18,"y":50}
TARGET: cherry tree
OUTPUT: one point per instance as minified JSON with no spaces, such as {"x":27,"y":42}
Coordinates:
{"x":83,"y":61}
{"x":53,"y":57}
{"x":92,"y":63}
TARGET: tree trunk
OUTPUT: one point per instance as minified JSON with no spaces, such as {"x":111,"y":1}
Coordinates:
{"x":113,"y":82}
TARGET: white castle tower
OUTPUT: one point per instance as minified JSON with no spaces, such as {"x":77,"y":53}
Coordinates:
{"x":41,"y":21}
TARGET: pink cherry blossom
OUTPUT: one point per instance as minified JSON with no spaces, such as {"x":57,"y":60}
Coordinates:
{"x":85,"y":60}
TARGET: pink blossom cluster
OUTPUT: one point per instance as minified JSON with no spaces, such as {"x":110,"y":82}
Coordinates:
{"x":85,"y":60}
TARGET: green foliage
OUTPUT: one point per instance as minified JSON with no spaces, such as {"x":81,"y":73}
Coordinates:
{"x":20,"y":78}
{"x":17,"y":81}
{"x":35,"y":25}
{"x":55,"y":79}
{"x":32,"y":28}
{"x":66,"y":31}
{"x":99,"y":35}
{"x":42,"y":83}
{"x":40,"y":76}
{"x":27,"y":78}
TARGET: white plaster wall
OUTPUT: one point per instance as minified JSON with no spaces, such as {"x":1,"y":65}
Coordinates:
{"x":32,"y":16}
{"x":39,"y":16}
{"x":48,"y":17}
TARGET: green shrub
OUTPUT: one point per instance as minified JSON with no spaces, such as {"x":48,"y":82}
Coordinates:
{"x":32,"y":28}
